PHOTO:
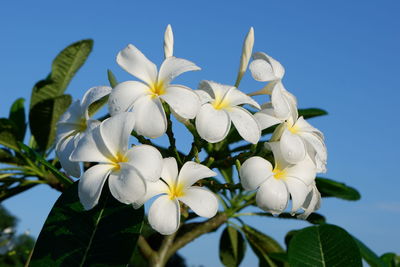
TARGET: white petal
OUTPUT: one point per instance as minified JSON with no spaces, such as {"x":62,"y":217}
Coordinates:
{"x":164,"y":215}
{"x":272,"y":196}
{"x":254,"y":172}
{"x":116,"y":131}
{"x":292,"y":101}
{"x":262,"y":71}
{"x":63,"y":150}
{"x":215,"y":90}
{"x":91,"y":148}
{"x":298,"y":191}
{"x":184,"y":101}
{"x":73,"y":114}
{"x":266,"y":118}
{"x":91,"y":184}
{"x":168,"y":42}
{"x":191,"y":172}
{"x":124,"y":95}
{"x":152,"y":189}
{"x":137,"y":64}
{"x":204,"y":96}
{"x":317,"y":144}
{"x":304,"y":170}
{"x":277,"y":68}
{"x":245,"y":124}
{"x":275,"y":147}
{"x":312,"y":202}
{"x":126,"y":184}
{"x":169,"y":171}
{"x":304,"y":126}
{"x":92,"y":95}
{"x":203,"y":202}
{"x":150,"y":117}
{"x":236,"y":97}
{"x":211,"y":124}
{"x":173,"y":67}
{"x":280,"y":103}
{"x":147,"y":160}
{"x":292,"y":147}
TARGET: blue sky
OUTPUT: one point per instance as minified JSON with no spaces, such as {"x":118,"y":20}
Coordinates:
{"x":342,"y":56}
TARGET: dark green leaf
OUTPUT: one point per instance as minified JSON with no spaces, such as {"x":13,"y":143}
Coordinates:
{"x":17,"y":115}
{"x":111,"y":78}
{"x":330,"y":188}
{"x":368,"y":255}
{"x":314,"y":218}
{"x":232,"y":247}
{"x":7,"y":157}
{"x":323,"y":245}
{"x":308,"y":113}
{"x":64,"y":67}
{"x":43,"y":118}
{"x":391,"y":259}
{"x":8,"y":134}
{"x":103,"y":236}
{"x":262,"y":245}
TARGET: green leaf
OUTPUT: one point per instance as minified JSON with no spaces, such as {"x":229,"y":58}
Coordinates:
{"x":43,"y":118}
{"x":64,"y":67}
{"x":8,"y":134}
{"x":262,"y":245}
{"x":38,"y":158}
{"x":111,"y":78}
{"x":232,"y":247}
{"x":391,"y":259}
{"x":7,"y":157}
{"x":17,"y":115}
{"x":308,"y":113}
{"x":323,"y":245}
{"x":103,"y":236}
{"x":369,"y":256}
{"x":330,"y":188}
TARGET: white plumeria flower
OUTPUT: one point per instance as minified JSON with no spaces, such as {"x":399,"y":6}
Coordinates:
{"x":298,"y":139}
{"x":312,"y":202}
{"x":144,"y":98}
{"x":274,"y":184}
{"x":73,"y":125}
{"x":264,"y":68}
{"x":220,"y":106}
{"x":168,"y":42}
{"x":283,"y":106}
{"x":127,"y":169}
{"x":164,"y":214}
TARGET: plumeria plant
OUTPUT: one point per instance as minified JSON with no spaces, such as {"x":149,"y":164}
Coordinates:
{"x":129,"y":200}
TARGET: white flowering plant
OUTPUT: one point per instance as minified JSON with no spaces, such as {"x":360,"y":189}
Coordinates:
{"x":127,"y":199}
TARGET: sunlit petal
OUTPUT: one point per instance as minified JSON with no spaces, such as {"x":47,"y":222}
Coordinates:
{"x":164,"y":215}
{"x":254,"y":172}
{"x":91,"y":184}
{"x":245,"y":124}
{"x":173,"y":67}
{"x":169,"y":171}
{"x":184,"y":101}
{"x":298,"y":191}
{"x":203,"y":202}
{"x":137,"y":64}
{"x":191,"y":172}
{"x":147,"y":160}
{"x":212,"y":125}
{"x":92,"y":95}
{"x":272,"y":196}
{"x":124,"y":95}
{"x":150,"y":117}
{"x":292,"y":147}
{"x":64,"y":150}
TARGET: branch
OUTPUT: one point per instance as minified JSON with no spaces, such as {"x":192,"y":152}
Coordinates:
{"x":145,"y":248}
{"x":197,"y":231}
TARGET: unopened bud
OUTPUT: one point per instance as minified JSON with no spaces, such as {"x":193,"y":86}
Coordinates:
{"x":246,"y":54}
{"x":168,"y":42}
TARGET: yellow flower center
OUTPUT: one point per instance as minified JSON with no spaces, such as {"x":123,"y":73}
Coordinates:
{"x":157,"y":89}
{"x":220,"y":103}
{"x":176,"y":191}
{"x":117,"y":160}
{"x":278,"y":173}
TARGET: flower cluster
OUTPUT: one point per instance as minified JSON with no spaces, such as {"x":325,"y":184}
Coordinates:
{"x":138,"y":173}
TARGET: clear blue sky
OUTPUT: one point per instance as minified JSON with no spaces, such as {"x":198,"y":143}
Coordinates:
{"x":342,"y":56}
